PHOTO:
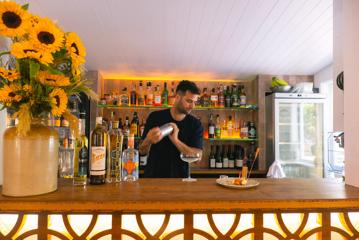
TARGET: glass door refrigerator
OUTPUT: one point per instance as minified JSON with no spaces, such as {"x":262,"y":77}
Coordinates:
{"x":296,"y":133}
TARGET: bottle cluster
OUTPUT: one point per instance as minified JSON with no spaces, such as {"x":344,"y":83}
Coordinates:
{"x":230,"y":128}
{"x":232,"y":156}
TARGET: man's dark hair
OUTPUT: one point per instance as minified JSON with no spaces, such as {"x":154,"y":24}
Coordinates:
{"x":186,"y":85}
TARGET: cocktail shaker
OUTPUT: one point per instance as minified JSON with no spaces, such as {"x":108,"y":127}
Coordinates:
{"x":166,"y":129}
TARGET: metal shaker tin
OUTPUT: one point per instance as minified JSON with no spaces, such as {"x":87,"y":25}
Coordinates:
{"x":166,"y":129}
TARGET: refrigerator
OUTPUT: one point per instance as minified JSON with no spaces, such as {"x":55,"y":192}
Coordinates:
{"x":295,"y":134}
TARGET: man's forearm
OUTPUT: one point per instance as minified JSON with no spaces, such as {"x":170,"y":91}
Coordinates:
{"x":183,"y":148}
{"x":144,"y":147}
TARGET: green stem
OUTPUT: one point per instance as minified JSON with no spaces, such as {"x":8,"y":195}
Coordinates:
{"x":4,"y":53}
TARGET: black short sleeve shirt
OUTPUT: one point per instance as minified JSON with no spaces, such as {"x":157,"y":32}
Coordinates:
{"x":164,"y":158}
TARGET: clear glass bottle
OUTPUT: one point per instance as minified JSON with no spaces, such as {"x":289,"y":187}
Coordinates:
{"x":172,"y":96}
{"x":133,"y":96}
{"x":81,"y":154}
{"x":214,"y":98}
{"x":221,"y":98}
{"x":66,"y":151}
{"x":242,"y":97}
{"x":130,"y":158}
{"x":230,"y":127}
{"x":149,"y":94}
{"x":141,"y":96}
{"x":124,"y":98}
{"x":157,"y":101}
{"x":205,"y":98}
{"x":98,"y":156}
{"x":116,"y":141}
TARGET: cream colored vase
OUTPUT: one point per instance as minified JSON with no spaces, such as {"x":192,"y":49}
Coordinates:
{"x":30,"y":162}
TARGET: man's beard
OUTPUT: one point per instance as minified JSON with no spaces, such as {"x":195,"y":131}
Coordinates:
{"x":182,"y":110}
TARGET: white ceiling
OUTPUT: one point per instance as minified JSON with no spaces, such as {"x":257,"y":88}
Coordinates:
{"x":218,"y":38}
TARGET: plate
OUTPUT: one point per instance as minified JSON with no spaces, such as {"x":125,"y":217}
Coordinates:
{"x":228,"y":182}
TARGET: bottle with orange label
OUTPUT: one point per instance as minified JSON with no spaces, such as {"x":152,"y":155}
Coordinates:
{"x":130,"y":158}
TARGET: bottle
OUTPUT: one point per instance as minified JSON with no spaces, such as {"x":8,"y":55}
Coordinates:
{"x":252,"y":131}
{"x":225,"y":157}
{"x":130,"y":158}
{"x":126,"y":132}
{"x":99,"y":140}
{"x":134,"y":125}
{"x":149,"y":95}
{"x":172,"y":96}
{"x":205,"y":98}
{"x":164,"y":95}
{"x":217,"y":128}
{"x":211,"y":127}
{"x":157,"y":101}
{"x":214,"y":98}
{"x":231,"y":157}
{"x":234,"y":97}
{"x":124,"y":98}
{"x":142,"y":127}
{"x":116,"y":141}
{"x":66,"y":151}
{"x":227,"y":97}
{"x":81,"y":154}
{"x":244,"y":130}
{"x":133,"y":96}
{"x":242,"y":97}
{"x":112,"y":118}
{"x":212,"y":158}
{"x":230,"y":126}
{"x":239,"y":156}
{"x":141,"y":96}
{"x":221,"y":98}
{"x":219,"y":163}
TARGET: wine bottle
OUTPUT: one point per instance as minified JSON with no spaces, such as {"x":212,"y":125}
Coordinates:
{"x":219,"y":163}
{"x":133,"y":96}
{"x":231,"y":158}
{"x":225,"y":157}
{"x":212,"y":158}
{"x":81,"y":154}
{"x":211,"y":127}
{"x":164,"y":95}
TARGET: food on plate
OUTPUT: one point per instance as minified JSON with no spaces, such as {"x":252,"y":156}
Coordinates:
{"x":239,"y":181}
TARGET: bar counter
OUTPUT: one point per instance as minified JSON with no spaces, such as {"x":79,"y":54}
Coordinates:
{"x":263,"y":205}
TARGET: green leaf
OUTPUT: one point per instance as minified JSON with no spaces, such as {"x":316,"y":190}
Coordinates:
{"x":34,"y":69}
{"x":51,"y":69}
{"x":25,"y":6}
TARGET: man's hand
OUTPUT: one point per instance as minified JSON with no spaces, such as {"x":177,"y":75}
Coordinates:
{"x":174,"y":135}
{"x":154,"y":135}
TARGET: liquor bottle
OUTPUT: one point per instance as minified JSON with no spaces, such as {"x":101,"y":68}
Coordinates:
{"x":130,"y":158}
{"x":239,"y":156}
{"x":212,"y":158}
{"x":217,"y":128}
{"x":141,"y":96}
{"x":124,"y":98}
{"x":172,"y":96}
{"x":234,"y":97}
{"x":214,"y":98}
{"x":230,"y":126}
{"x":225,"y":157}
{"x":81,"y":159}
{"x":205,"y":99}
{"x":116,"y":141}
{"x":66,"y":151}
{"x":211,"y":127}
{"x":142,"y":127}
{"x":219,"y":163}
{"x":120,"y":125}
{"x":134,"y":125}
{"x":133,"y":96}
{"x":149,"y":94}
{"x":112,"y":118}
{"x":164,"y":95}
{"x":126,"y":132}
{"x":221,"y":98}
{"x":157,"y":97}
{"x":252,"y":131}
{"x":98,"y":149}
{"x":231,"y":157}
{"x":227,"y":97}
{"x":242,"y":97}
{"x":244,"y":130}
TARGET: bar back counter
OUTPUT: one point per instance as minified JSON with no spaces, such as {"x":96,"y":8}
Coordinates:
{"x":172,"y":209}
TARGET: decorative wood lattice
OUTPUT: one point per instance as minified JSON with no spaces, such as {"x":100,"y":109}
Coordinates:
{"x":187,"y":225}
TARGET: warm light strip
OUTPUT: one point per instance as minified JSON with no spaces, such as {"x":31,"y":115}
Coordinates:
{"x":169,"y":79}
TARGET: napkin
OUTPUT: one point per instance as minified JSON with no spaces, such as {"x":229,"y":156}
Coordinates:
{"x":276,"y":170}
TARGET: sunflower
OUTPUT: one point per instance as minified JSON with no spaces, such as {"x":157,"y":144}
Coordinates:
{"x":55,"y":80}
{"x":59,"y":100}
{"x":26,"y":50}
{"x":14,"y":21}
{"x":34,"y":20}
{"x":75,"y":49}
{"x":27,"y":88}
{"x":8,"y":93}
{"x":10,"y":75}
{"x":46,"y":36}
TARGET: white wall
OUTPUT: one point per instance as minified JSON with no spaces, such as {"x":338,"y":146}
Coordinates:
{"x":351,"y":94}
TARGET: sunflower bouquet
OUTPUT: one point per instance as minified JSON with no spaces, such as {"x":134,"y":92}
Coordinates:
{"x":42,"y":68}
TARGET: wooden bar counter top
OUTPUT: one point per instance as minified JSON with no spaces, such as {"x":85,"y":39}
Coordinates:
{"x":175,"y":195}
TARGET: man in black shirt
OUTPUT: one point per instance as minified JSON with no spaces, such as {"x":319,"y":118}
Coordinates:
{"x":163,"y":153}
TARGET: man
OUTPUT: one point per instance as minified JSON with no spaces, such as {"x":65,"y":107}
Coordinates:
{"x":187,"y":137}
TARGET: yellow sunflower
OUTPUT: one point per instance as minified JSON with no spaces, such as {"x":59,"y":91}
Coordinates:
{"x":8,"y":93}
{"x":26,"y":50}
{"x":46,"y":36}
{"x":10,"y":75}
{"x":34,"y":20}
{"x":75,"y":48}
{"x":27,"y":88}
{"x":58,"y":99}
{"x":14,"y":21}
{"x":55,"y":80}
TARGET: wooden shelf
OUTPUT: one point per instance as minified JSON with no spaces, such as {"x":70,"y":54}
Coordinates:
{"x":247,"y":107}
{"x":231,"y":139}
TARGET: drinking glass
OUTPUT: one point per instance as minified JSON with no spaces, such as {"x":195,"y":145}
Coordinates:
{"x":189,"y":158}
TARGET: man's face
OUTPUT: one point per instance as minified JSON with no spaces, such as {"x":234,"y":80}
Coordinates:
{"x":184,"y":103}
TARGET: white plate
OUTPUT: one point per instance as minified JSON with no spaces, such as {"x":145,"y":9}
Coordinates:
{"x":228,"y":182}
